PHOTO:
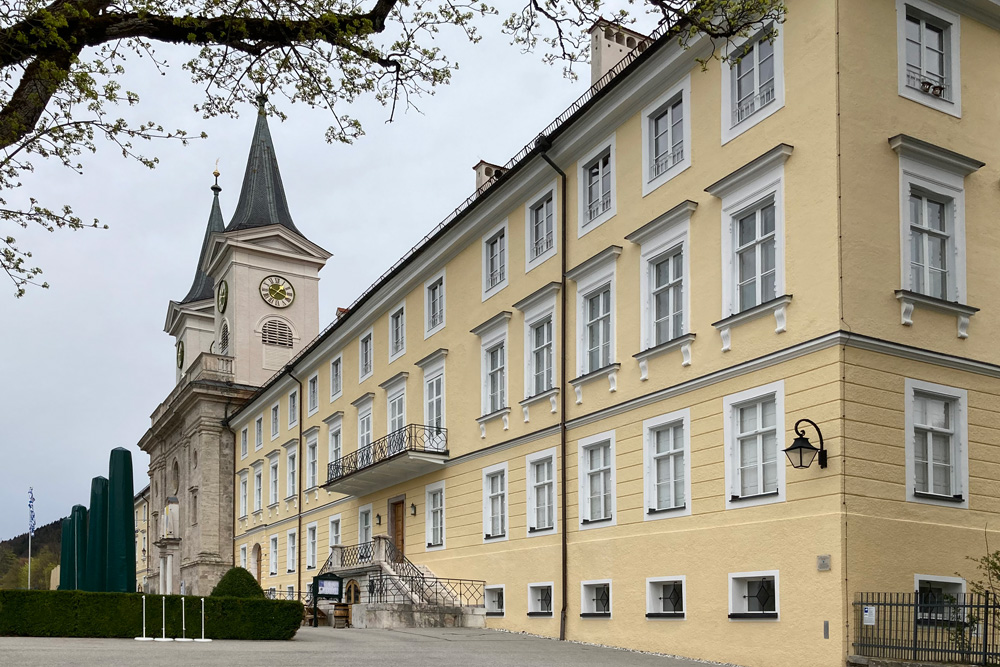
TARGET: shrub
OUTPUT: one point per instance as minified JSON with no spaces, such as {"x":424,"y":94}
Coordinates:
{"x":31,"y":613}
{"x":237,"y":583}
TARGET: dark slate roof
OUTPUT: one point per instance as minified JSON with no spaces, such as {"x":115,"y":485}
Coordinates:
{"x":202,"y":288}
{"x":262,"y":199}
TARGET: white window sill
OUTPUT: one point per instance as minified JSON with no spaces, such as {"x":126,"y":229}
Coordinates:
{"x":908,"y":301}
{"x":538,"y":532}
{"x":928,"y":99}
{"x":551,"y":394}
{"x":396,"y":355}
{"x":364,"y":377}
{"x":610,"y":372}
{"x":535,"y":262}
{"x":590,"y":225}
{"x":777,"y":307}
{"x":502,"y":413}
{"x":682,"y":343}
{"x":493,"y":291}
{"x":654,"y":183}
{"x":336,"y":396}
{"x":430,"y":332}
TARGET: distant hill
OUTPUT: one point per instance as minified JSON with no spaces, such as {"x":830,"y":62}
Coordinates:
{"x":49,"y":534}
{"x":45,"y":549}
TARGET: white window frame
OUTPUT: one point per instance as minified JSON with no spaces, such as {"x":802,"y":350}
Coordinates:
{"x":587,"y":604}
{"x":393,"y":392}
{"x":536,"y":312}
{"x":312,"y":544}
{"x":433,"y":280}
{"x":951,"y":23}
{"x":275,"y":420}
{"x":365,"y":411}
{"x":654,"y":608}
{"x":312,"y":393}
{"x":649,"y":427}
{"x":730,"y":415}
{"x":336,"y":377}
{"x":312,"y":460}
{"x":430,"y":489}
{"x":960,"y":447}
{"x":582,"y":481}
{"x":680,"y":91}
{"x":362,"y":511}
{"x":333,"y":537}
{"x":532,"y":499}
{"x":258,"y":486}
{"x":591,"y":282}
{"x":487,"y":516}
{"x":731,"y":130}
{"x":534,"y":605}
{"x":548,"y":192}
{"x":737,"y":591}
{"x":950,"y":582}
{"x":368,"y":335}
{"x":400,"y":310}
{"x":335,"y":436}
{"x":584,"y":224}
{"x":490,"y":339}
{"x":432,"y":371}
{"x":244,"y":490}
{"x":243,"y":556}
{"x":244,"y":445}
{"x":491,"y":608}
{"x":258,"y":432}
{"x":666,"y":236}
{"x":272,"y":556}
{"x":273,"y":479}
{"x":293,"y":408}
{"x":291,"y":550}
{"x":490,"y":290}
{"x":291,"y":471}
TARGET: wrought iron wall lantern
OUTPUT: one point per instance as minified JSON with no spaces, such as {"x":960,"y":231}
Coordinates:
{"x":378,"y":519}
{"x":801,"y":453}
{"x":413,"y":509}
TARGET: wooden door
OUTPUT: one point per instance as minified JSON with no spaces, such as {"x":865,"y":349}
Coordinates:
{"x":397,"y":526}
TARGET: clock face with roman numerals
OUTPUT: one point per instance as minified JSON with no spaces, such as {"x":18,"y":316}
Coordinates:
{"x":277,"y":291}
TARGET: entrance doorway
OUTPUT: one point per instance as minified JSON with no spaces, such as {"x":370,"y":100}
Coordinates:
{"x":397,"y":523}
{"x":255,"y":562}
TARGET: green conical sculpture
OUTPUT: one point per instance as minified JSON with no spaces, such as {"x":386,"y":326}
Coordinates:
{"x":78,"y":546}
{"x":66,"y":556}
{"x":97,"y":537}
{"x":120,"y":577}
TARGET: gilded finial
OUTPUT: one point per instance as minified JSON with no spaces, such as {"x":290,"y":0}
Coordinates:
{"x":216,"y":188}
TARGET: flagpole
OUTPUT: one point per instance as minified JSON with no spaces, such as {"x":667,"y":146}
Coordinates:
{"x":29,"y":560}
{"x":31,"y":528}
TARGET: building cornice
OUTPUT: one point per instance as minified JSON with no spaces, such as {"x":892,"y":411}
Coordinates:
{"x":936,"y":156}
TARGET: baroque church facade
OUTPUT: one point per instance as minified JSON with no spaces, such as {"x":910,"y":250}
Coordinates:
{"x":252,"y":305}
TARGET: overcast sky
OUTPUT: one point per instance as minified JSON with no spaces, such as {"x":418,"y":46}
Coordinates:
{"x":86,"y":362}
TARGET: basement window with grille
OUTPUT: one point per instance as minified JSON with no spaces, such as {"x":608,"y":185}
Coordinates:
{"x":665,"y":597}
{"x":276,"y":332}
{"x":494,"y":600}
{"x":753,"y":595}
{"x":540,"y":599}
{"x":595,"y":599}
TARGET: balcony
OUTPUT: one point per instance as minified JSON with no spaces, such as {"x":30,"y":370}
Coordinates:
{"x":410,"y":452}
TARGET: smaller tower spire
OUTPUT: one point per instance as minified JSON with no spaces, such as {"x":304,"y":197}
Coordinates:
{"x":202,"y":288}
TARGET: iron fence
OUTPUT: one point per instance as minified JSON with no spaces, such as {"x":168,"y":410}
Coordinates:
{"x":963,"y":629}
{"x":359,"y":555}
{"x":412,"y":438}
{"x":384,"y":587}
{"x":278,"y":594}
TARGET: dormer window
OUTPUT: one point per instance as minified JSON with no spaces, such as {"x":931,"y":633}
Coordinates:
{"x":276,"y":332}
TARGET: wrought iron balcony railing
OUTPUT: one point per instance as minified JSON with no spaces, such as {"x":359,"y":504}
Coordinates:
{"x":411,"y":438}
{"x":383,"y":587}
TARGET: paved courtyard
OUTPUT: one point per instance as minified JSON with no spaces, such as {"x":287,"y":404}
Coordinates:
{"x":323,"y":646}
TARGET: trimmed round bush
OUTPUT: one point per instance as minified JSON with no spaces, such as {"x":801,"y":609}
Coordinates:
{"x":237,"y":583}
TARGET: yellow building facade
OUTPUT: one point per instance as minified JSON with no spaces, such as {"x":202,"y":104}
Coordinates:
{"x":142,"y":534}
{"x":578,"y":387}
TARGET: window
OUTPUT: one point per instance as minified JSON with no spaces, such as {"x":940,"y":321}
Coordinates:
{"x":539,"y":334}
{"x":541,"y":356}
{"x":755,"y":437}
{"x":597,"y":466}
{"x":335,"y":444}
{"x":598,"y":328}
{"x":666,"y":131}
{"x":397,"y":410}
{"x":397,"y":333}
{"x":667,"y":296}
{"x":312,"y":462}
{"x":336,"y":378}
{"x":434,"y":403}
{"x":273,"y":555}
{"x":313,"y":389}
{"x":290,"y":593}
{"x":597,"y":198}
{"x":258,"y":433}
{"x":936,"y":449}
{"x":292,"y":479}
{"x":311,"y":546}
{"x":493,"y":340}
{"x":365,"y":524}
{"x":273,"y":479}
{"x":539,"y":227}
{"x":276,"y":332}
{"x":335,"y":530}
{"x":494,"y":600}
{"x":243,"y":443}
{"x":434,"y":519}
{"x":495,"y":502}
{"x":753,"y":595}
{"x":540,"y":599}
{"x":258,"y":487}
{"x":365,"y":355}
{"x":243,"y":495}
{"x":755,"y":248}
{"x":364,"y":427}
{"x":928,"y":48}
{"x":595,"y":333}
{"x":194,"y":507}
{"x":274,"y":420}
{"x":755,"y":86}
{"x":495,"y":260}
{"x":243,"y":556}
{"x":595,"y":599}
{"x":291,"y":556}
{"x":496,"y":378}
{"x":434,"y":304}
{"x":937,"y":597}
{"x":598,"y":186}
{"x":667,"y":465}
{"x":224,"y":339}
{"x":293,"y":408}
{"x":541,"y":485}
{"x":665,"y":597}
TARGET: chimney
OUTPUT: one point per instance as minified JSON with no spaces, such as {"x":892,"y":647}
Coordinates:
{"x":609,"y":43}
{"x":342,"y":311}
{"x":486,"y":172}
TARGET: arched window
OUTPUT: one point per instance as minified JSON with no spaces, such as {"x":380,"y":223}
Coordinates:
{"x":276,"y":332}
{"x":224,"y":340}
